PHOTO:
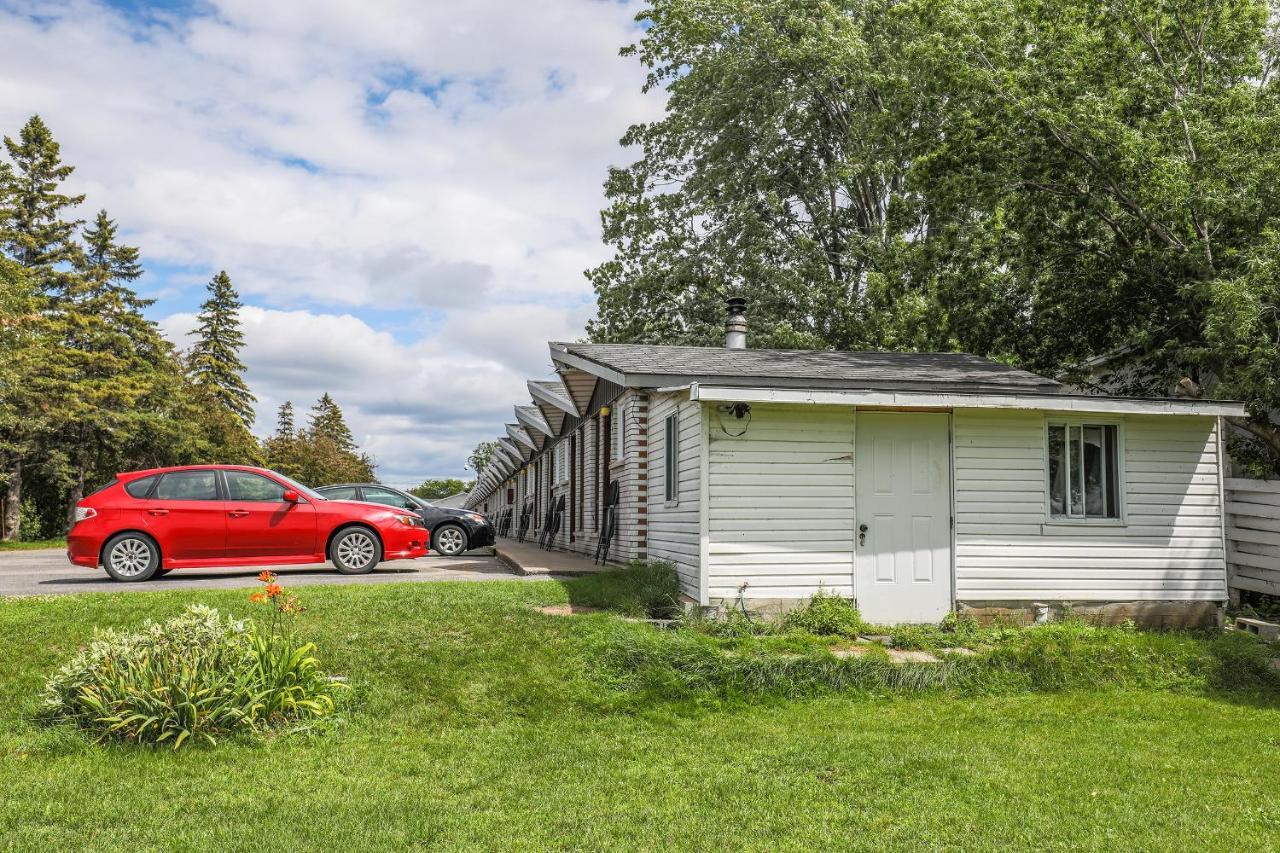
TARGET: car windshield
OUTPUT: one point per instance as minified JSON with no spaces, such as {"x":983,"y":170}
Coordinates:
{"x":298,"y":487}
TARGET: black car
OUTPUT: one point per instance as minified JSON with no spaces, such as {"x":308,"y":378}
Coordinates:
{"x":452,"y":530}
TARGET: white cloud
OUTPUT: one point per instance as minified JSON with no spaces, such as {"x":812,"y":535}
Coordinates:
{"x":414,"y":407}
{"x":442,"y":160}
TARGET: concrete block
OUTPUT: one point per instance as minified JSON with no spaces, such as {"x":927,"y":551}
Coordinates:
{"x":1265,"y":630}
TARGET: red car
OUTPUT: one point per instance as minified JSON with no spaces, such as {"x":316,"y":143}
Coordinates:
{"x":149,"y":522}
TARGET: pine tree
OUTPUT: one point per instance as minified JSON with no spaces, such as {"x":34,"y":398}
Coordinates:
{"x":327,"y":450}
{"x":36,"y":234}
{"x":327,"y":421}
{"x":284,"y":421}
{"x":282,"y":449}
{"x":215,"y":359}
{"x":117,"y":356}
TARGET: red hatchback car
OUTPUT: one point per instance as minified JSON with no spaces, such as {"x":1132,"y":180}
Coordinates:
{"x":149,"y":522}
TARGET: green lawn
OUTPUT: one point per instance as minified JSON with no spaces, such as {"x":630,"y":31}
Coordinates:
{"x":480,"y":723}
{"x":33,"y":545}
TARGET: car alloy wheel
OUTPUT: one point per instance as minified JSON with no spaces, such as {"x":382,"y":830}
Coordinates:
{"x":450,"y":540}
{"x":131,"y":558}
{"x":355,"y":551}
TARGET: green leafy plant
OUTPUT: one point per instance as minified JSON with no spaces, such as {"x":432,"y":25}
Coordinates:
{"x":198,"y":676}
{"x":825,"y":614}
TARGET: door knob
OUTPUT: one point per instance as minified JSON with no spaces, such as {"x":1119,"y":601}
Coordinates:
{"x":862,"y":534}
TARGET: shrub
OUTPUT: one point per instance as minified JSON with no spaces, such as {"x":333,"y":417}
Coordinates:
{"x":825,"y":615}
{"x":195,"y":677}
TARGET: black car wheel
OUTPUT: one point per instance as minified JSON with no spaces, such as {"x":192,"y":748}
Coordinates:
{"x":449,"y":540}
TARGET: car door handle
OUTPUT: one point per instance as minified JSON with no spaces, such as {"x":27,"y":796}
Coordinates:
{"x":157,"y":512}
{"x":238,"y":513}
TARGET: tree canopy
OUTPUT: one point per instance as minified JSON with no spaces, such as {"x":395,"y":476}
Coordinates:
{"x":440,"y":488}
{"x":1058,"y":184}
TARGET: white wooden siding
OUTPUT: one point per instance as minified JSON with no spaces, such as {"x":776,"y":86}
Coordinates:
{"x":780,"y":513}
{"x":673,"y":527}
{"x":1170,"y":547}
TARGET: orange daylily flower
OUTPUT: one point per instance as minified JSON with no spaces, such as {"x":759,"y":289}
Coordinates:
{"x":266,"y":576}
{"x":273,"y":590}
{"x":257,"y":598}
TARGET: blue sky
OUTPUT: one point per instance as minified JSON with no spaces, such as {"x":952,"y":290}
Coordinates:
{"x":406,"y":194}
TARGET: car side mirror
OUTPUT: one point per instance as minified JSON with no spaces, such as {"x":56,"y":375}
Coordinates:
{"x":291,"y":496}
{"x":410,"y":505}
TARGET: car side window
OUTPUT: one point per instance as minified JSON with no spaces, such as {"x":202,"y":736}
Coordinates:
{"x":188,"y":486}
{"x":140,"y":488}
{"x":341,"y":493}
{"x":384,"y":496}
{"x":247,"y":486}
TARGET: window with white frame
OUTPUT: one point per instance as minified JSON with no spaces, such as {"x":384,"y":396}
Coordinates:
{"x":561,"y":467}
{"x":1084,"y":470}
{"x":618,"y":426}
{"x":671,"y":458}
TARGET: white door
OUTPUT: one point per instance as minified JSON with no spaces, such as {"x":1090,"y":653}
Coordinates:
{"x":902,"y":497}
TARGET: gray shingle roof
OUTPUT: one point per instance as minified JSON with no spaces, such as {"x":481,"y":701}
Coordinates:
{"x":650,"y":365}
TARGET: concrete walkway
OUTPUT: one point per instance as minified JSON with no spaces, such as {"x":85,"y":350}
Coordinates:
{"x":528,"y":559}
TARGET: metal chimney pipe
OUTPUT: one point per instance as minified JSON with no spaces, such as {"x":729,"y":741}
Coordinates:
{"x":735,"y":326}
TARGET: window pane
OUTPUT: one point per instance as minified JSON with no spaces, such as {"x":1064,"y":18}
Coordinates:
{"x":1076,"y":461}
{"x":1094,"y":477}
{"x":384,"y":496}
{"x":341,"y":493}
{"x":1113,"y":472}
{"x":187,"y":486}
{"x":139,"y":488}
{"x":672,"y":451}
{"x":244,"y":486}
{"x":1057,"y":470}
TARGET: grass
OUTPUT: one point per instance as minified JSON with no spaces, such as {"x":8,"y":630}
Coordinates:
{"x":33,"y":545}
{"x":477,"y":722}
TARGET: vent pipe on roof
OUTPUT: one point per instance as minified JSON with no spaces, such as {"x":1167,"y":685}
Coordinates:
{"x":735,"y":326}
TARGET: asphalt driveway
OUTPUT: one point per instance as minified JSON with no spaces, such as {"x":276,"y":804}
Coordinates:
{"x":48,"y":572}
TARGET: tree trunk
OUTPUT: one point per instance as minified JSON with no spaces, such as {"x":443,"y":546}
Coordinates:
{"x":13,"y":503}
{"x":77,"y":492}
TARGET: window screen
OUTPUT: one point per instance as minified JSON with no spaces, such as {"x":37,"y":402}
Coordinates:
{"x":619,"y":429}
{"x":1083,"y":471}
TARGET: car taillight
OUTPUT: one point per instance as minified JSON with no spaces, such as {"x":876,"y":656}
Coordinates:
{"x":84,"y":513}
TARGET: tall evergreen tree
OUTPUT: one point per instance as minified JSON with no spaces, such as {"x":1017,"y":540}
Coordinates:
{"x":327,"y":450}
{"x":117,"y":357}
{"x":282,"y":449}
{"x":215,"y":359}
{"x":327,"y":421}
{"x":285,"y":428}
{"x":36,"y":233}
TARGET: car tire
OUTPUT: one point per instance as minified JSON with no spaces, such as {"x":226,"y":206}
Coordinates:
{"x":131,"y":557}
{"x":450,"y":540}
{"x":355,"y":550}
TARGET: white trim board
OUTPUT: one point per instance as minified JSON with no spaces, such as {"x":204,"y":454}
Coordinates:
{"x":733,"y":394}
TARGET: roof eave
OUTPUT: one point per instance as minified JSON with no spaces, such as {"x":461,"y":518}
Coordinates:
{"x":1042,"y":402}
